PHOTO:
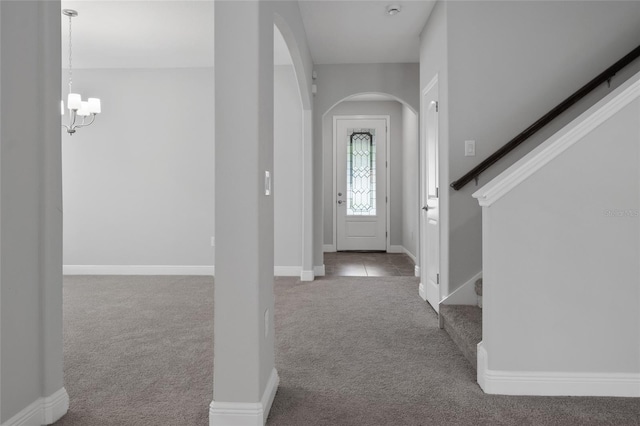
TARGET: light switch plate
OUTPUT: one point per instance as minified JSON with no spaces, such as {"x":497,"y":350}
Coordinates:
{"x":469,"y":148}
{"x":267,"y":183}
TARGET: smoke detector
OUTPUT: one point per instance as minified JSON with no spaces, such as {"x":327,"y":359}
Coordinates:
{"x":393,"y":9}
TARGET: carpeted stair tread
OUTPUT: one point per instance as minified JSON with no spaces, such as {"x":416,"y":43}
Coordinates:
{"x":464,"y":325}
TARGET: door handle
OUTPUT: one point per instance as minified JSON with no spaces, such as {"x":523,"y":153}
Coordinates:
{"x":339,"y":201}
{"x":425,"y":208}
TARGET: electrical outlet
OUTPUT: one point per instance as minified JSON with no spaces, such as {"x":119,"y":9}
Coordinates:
{"x":469,"y":148}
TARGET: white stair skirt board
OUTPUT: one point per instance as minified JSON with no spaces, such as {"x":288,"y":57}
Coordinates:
{"x":465,"y":294}
{"x":416,"y":271}
{"x":138,"y":270}
{"x":43,"y":411}
{"x":318,"y":271}
{"x":422,"y":291}
{"x":329,"y":248}
{"x":245,"y":413}
{"x":554,"y":383}
{"x":408,"y":253}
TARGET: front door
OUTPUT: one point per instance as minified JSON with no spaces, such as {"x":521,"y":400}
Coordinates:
{"x":430,"y":213}
{"x":361,"y":189}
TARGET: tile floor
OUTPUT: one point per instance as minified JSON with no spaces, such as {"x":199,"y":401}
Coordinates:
{"x":368,"y":264}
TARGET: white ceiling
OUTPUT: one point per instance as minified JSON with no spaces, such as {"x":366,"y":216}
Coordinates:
{"x":165,"y":34}
{"x":361,"y":31}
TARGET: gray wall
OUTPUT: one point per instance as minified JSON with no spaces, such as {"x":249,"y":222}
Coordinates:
{"x":510,"y":62}
{"x":287,"y":167}
{"x":410,"y":181}
{"x":30,"y":205}
{"x":244,"y":105}
{"x":540,"y":236}
{"x":394,"y":156}
{"x":139,"y":182}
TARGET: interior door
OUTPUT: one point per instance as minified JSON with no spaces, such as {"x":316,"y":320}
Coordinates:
{"x":361,"y":189}
{"x":430,"y":213}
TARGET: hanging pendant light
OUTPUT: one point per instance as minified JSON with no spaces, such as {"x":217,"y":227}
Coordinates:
{"x":77,"y":107}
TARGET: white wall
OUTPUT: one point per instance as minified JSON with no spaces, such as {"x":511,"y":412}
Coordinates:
{"x":394,"y":110}
{"x":287,"y":166}
{"x":500,"y":72}
{"x":410,"y":181}
{"x":139,"y":182}
{"x":562,"y":266}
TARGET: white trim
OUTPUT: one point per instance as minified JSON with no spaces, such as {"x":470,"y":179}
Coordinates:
{"x":319,"y":271}
{"x":45,"y":410}
{"x":55,"y":406}
{"x":287,"y":271}
{"x":422,"y":292}
{"x":307,"y":276}
{"x":560,"y":383}
{"x":387,"y":119}
{"x":558,"y":143}
{"x":465,"y":294}
{"x":395,"y":249}
{"x":329,"y":248}
{"x":408,"y":253}
{"x":138,"y":270}
{"x":433,"y":293}
{"x":416,"y":271}
{"x":245,"y":413}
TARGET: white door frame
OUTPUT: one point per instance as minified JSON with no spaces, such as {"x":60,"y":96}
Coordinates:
{"x":423,"y":290}
{"x":387,"y":119}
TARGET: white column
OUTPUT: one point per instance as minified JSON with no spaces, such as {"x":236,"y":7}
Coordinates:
{"x":245,"y":379}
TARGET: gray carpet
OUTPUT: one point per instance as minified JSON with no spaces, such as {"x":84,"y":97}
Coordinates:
{"x":350,"y":351}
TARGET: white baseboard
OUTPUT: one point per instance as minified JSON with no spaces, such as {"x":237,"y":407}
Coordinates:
{"x":138,"y":270}
{"x":307,"y":276}
{"x":245,"y":413}
{"x":43,"y":411}
{"x":395,"y":249}
{"x":422,"y":291}
{"x":329,"y":248}
{"x":318,"y":271}
{"x":408,"y":253}
{"x":465,"y":294}
{"x":559,"y":383}
{"x":287,"y":271}
{"x":416,"y":271}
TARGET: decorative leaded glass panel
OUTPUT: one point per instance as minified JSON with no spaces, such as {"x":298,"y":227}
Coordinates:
{"x":361,"y":172}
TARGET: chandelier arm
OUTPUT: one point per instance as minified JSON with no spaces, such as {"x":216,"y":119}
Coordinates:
{"x":93,"y":117}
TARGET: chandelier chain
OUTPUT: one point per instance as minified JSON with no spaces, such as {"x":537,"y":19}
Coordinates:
{"x":70,"y":63}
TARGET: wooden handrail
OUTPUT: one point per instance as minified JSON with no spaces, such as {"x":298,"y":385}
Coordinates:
{"x":546,"y":119}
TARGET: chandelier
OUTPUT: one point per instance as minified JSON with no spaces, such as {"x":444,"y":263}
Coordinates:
{"x":77,"y":107}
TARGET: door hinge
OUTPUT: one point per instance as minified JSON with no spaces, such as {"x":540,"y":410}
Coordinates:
{"x":437,"y":192}
{"x":386,"y":199}
{"x":437,"y":278}
{"x":437,"y":106}
{"x":386,"y":164}
{"x":386,"y":234}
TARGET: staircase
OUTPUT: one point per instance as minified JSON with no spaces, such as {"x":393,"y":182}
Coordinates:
{"x":464,"y":325}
